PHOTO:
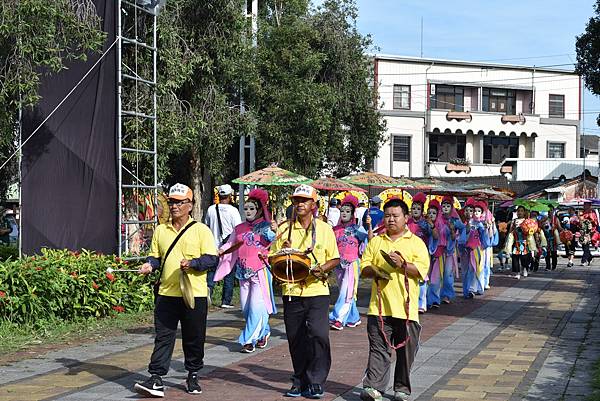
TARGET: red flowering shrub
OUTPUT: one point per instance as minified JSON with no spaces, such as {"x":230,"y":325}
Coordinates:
{"x":70,"y":286}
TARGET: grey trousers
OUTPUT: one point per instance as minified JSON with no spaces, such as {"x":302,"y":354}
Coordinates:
{"x":380,"y":354}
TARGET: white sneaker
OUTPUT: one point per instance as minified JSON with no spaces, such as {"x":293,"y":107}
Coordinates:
{"x":517,"y":276}
{"x":227,"y":306}
{"x":525,"y":274}
{"x":487,"y":287}
{"x":370,"y":394}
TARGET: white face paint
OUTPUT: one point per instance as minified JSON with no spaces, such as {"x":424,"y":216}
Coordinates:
{"x":432,"y":213}
{"x":446,"y":208}
{"x":346,"y":213}
{"x":468,"y":212}
{"x":416,"y":210}
{"x":477,"y":213}
{"x":251,"y":211}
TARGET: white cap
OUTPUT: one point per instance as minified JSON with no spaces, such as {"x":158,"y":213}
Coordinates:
{"x":180,"y":192}
{"x":305,"y":191}
{"x":225,"y":190}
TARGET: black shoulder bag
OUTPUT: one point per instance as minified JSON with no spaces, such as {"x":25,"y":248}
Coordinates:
{"x":221,"y":239}
{"x":164,"y":260}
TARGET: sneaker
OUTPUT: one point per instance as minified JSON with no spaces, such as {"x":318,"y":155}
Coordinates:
{"x":354,"y":324}
{"x":191,"y":384}
{"x":470,"y":296}
{"x":525,"y":273}
{"x":152,"y":387}
{"x":422,"y":310}
{"x":314,"y":392}
{"x":517,"y":276}
{"x":370,"y":394}
{"x":295,"y":391}
{"x":487,"y":287}
{"x":446,"y":301}
{"x":227,"y":306}
{"x":262,"y":343}
{"x":435,"y":305}
{"x":400,"y":396}
{"x":247,"y":348}
{"x":336,"y":326}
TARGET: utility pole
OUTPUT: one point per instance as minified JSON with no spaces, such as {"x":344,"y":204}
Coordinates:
{"x":247,"y":141}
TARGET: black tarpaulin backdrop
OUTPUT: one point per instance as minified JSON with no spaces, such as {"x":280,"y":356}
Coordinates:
{"x":69,"y":178}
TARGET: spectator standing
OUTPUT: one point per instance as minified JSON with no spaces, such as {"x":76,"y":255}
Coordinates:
{"x":222,"y":218}
{"x":333,"y":213}
{"x":374,"y":212}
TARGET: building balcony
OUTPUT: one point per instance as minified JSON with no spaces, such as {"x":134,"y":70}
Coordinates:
{"x":479,"y":122}
{"x":440,"y":169}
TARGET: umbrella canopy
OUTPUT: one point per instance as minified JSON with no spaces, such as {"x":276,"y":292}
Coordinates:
{"x":370,"y":179}
{"x":272,"y":175}
{"x":333,"y":184}
{"x":530,"y":204}
{"x":492,"y":194}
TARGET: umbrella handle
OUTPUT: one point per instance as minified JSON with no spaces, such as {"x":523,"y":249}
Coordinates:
{"x":289,"y":238}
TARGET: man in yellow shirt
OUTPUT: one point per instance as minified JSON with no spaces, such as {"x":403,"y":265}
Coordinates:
{"x":396,"y":261}
{"x":193,"y":254}
{"x":306,"y":305}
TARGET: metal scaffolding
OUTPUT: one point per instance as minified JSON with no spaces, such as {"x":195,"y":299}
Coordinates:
{"x":136,"y":126}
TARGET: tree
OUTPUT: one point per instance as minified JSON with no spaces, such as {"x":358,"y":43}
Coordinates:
{"x":588,"y":53}
{"x":315,"y":106}
{"x":205,"y":61}
{"x":37,"y":38}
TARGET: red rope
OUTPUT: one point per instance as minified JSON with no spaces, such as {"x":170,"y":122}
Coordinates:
{"x":406,"y":309}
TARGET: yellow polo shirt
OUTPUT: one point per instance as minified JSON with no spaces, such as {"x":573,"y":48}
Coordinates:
{"x":393,"y":292}
{"x":325,"y":250}
{"x":196,"y":241}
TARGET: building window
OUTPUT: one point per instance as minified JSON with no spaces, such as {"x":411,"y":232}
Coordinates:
{"x":401,"y":148}
{"x":401,"y":97}
{"x":556,"y":150}
{"x":499,"y":100}
{"x":498,"y":148}
{"x":557,"y":106}
{"x":448,"y":98}
{"x":443,"y":148}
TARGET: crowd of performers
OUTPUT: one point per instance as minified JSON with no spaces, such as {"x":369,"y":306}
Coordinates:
{"x":412,"y":256}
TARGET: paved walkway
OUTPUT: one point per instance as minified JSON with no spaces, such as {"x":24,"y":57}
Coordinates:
{"x":533,"y":339}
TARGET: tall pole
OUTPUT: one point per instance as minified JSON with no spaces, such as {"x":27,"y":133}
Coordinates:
{"x":421,"y":36}
{"x":582,"y":124}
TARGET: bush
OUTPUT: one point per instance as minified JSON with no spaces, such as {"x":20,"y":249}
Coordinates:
{"x":8,"y":252}
{"x":69,"y":286}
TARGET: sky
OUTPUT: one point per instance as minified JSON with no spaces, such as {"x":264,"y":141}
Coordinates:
{"x":525,"y":32}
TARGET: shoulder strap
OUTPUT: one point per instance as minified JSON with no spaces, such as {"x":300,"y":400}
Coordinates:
{"x":219,"y":223}
{"x":164,"y":260}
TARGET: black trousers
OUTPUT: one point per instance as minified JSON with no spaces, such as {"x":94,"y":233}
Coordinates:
{"x":380,"y":354}
{"x":168,"y":312}
{"x":587,"y":254}
{"x":520,"y":262}
{"x":307,"y":328}
{"x":551,"y":256}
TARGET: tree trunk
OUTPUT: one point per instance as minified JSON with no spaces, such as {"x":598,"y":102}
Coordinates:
{"x":202,"y":187}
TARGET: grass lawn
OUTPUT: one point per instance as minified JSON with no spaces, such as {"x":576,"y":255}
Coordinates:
{"x":595,"y":396}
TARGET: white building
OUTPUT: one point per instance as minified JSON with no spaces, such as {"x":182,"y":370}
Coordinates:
{"x":440,"y":110}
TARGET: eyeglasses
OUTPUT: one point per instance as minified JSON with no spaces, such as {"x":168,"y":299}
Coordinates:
{"x":177,"y":203}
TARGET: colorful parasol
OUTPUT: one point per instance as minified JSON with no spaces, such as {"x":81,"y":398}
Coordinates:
{"x":492,"y":194}
{"x":360,"y":195}
{"x":272,"y":175}
{"x":334,"y":184}
{"x":398,"y":192}
{"x":371,"y":179}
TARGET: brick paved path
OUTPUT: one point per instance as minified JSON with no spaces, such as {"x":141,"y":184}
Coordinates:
{"x":533,"y":339}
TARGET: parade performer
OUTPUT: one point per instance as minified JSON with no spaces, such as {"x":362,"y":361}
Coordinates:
{"x":397,"y":261}
{"x":455,"y":225}
{"x":589,"y":224}
{"x":180,"y":246}
{"x":541,"y":243}
{"x":306,"y":304}
{"x":550,"y":232}
{"x":473,"y":239}
{"x":493,"y":237}
{"x":351,"y":239}
{"x":438,"y":254}
{"x":419,"y":226}
{"x":253,"y":237}
{"x":520,"y":242}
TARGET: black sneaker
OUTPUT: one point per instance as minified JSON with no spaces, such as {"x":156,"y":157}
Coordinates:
{"x":152,"y":387}
{"x":191,"y":384}
{"x":314,"y":391}
{"x":295,"y":391}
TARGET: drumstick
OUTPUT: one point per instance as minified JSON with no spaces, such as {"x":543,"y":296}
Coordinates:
{"x":290,"y":226}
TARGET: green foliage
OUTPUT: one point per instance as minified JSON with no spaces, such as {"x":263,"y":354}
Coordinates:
{"x":315,"y":108}
{"x":37,"y":38}
{"x":588,"y":53}
{"x":8,"y":252}
{"x":60,"y":284}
